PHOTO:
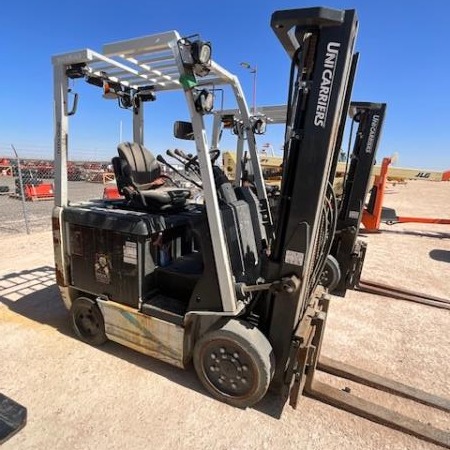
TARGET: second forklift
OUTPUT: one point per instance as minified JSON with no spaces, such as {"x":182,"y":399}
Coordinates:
{"x":346,"y":257}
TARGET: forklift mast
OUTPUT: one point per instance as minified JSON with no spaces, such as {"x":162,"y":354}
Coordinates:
{"x":347,"y":249}
{"x":320,"y":43}
{"x":370,"y":117}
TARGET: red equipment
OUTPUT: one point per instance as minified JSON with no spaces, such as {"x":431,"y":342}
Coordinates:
{"x":110,"y":192}
{"x":44,"y":191}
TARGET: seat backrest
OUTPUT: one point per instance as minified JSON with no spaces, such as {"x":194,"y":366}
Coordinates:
{"x":137,"y":165}
{"x":121,"y":180}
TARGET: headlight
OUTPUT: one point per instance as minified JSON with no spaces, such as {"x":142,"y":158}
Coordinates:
{"x":201,"y":52}
{"x":196,"y":55}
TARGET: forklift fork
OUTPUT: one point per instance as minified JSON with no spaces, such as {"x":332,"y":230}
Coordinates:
{"x":386,"y":290}
{"x":309,"y":361}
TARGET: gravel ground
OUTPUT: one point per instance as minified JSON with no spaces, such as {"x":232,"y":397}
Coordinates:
{"x":80,"y":397}
{"x":38,"y":212}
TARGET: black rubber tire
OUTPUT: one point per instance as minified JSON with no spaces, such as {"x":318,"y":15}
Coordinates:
{"x":331,"y":274}
{"x":241,"y":356}
{"x":87,"y":321}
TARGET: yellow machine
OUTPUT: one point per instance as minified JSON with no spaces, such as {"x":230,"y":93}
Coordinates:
{"x":271,"y":167}
{"x":272,"y":171}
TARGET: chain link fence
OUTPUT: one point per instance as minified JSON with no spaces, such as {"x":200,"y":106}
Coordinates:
{"x":27,"y":188}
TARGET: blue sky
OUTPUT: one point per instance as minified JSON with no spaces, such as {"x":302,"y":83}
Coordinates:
{"x":404,"y":62}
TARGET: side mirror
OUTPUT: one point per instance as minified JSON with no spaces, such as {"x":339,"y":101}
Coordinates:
{"x":183,"y":130}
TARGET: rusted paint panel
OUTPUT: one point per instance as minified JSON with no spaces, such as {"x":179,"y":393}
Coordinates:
{"x":58,"y":249}
{"x":59,"y":276}
{"x":145,"y":334}
{"x":65,"y":295}
{"x":55,"y":227}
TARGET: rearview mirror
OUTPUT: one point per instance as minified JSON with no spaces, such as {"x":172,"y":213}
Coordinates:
{"x":183,"y":130}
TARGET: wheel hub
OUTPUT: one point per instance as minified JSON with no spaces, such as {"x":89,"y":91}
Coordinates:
{"x":87,"y":322}
{"x":228,"y":370}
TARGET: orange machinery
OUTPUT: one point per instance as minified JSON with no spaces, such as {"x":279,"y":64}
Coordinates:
{"x":33,"y":186}
{"x":110,"y":192}
{"x":44,"y":191}
{"x":374,"y":213}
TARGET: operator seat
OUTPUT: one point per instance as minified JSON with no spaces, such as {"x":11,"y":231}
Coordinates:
{"x":139,"y":179}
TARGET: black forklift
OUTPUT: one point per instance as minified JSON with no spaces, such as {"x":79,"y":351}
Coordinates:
{"x":345,"y":258}
{"x":215,"y":283}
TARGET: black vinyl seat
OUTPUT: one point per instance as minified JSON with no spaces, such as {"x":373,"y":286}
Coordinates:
{"x":139,"y":179}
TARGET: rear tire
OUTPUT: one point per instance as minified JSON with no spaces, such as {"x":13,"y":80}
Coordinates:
{"x":235,"y":363}
{"x":87,"y":321}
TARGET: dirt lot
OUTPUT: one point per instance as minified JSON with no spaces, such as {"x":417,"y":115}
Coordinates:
{"x":38,"y":212}
{"x":79,"y":397}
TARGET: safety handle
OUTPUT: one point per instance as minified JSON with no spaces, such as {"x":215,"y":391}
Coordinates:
{"x":74,"y":105}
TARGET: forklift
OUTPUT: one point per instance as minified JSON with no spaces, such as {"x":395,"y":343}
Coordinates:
{"x":346,"y":257}
{"x":347,"y":253}
{"x":183,"y":281}
{"x":345,"y":260}
{"x":216,"y":283}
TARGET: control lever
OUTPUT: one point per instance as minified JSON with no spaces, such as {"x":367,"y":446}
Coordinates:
{"x":161,"y":159}
{"x":190,"y":158}
{"x":191,"y":161}
{"x":173,"y":154}
{"x":183,"y":155}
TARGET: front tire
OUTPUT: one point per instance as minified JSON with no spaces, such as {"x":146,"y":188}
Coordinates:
{"x":87,"y":321}
{"x":331,"y":274}
{"x":235,"y":363}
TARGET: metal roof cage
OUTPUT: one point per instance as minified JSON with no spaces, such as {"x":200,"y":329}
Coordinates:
{"x":135,"y":63}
